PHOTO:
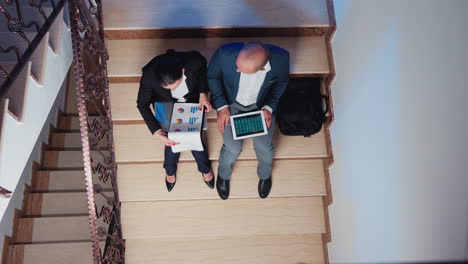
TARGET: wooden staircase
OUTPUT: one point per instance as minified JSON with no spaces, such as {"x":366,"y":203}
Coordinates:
{"x":191,"y":224}
{"x":53,"y":225}
{"x":26,"y":104}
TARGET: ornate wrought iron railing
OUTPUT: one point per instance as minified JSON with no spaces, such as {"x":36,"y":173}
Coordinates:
{"x":92,"y":89}
{"x":15,"y":16}
{"x":90,"y":65}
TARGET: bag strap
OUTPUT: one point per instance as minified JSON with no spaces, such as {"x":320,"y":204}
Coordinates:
{"x":327,"y":104}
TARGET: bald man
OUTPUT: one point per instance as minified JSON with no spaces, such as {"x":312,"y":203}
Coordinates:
{"x":245,"y":77}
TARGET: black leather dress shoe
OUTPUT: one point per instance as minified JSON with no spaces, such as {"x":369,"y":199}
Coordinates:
{"x":170,"y":185}
{"x":223,"y":188}
{"x":264,"y":187}
{"x":211,"y":183}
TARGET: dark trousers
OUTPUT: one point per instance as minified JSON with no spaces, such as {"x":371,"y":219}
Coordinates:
{"x":171,"y":159}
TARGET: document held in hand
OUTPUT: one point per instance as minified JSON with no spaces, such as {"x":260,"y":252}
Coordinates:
{"x":186,"y":126}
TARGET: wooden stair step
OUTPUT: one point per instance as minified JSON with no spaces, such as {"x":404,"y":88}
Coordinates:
{"x":121,"y":14}
{"x":308,"y":55}
{"x":68,"y":203}
{"x":123,"y":102}
{"x":270,"y":249}
{"x":53,"y":229}
{"x":291,"y":178}
{"x":71,"y":140}
{"x":63,"y":181}
{"x":72,"y":122}
{"x":53,"y":253}
{"x":232,"y":217}
{"x":135,"y":143}
{"x":68,"y":159}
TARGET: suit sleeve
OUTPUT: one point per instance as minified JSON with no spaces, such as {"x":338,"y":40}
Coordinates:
{"x":215,"y":80}
{"x":202,"y":81}
{"x":280,"y":86}
{"x":144,"y":100}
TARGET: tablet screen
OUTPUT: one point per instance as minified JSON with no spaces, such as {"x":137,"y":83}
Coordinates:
{"x":248,"y":125}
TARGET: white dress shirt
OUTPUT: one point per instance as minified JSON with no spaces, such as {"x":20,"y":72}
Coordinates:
{"x":249,"y":87}
{"x":180,"y":91}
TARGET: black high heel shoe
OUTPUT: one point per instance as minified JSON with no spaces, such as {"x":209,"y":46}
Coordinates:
{"x":211,"y":183}
{"x":170,"y":185}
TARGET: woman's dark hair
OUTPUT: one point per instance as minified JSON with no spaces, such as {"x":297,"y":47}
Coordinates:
{"x":168,"y":68}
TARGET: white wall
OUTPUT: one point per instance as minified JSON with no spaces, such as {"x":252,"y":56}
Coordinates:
{"x":400,"y":178}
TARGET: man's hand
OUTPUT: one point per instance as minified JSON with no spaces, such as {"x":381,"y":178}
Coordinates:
{"x":223,"y":119}
{"x":205,"y":102}
{"x":267,"y":115}
{"x":163,"y":137}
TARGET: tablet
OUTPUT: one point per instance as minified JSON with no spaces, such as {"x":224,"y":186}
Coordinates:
{"x":248,"y":125}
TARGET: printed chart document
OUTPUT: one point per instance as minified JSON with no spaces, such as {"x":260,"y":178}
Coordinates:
{"x":186,"y":126}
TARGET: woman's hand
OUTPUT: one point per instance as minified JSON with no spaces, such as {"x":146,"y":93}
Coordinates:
{"x":205,"y":102}
{"x":163,"y":137}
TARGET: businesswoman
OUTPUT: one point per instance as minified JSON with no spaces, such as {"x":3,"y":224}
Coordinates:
{"x":174,"y":77}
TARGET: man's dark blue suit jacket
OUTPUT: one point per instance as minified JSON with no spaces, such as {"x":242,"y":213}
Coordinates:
{"x":223,"y":78}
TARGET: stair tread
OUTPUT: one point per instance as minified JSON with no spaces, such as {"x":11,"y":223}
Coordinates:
{"x":135,"y":143}
{"x":69,"y":159}
{"x":232,"y":217}
{"x":64,"y":203}
{"x":120,"y":14}
{"x":73,"y":180}
{"x":70,"y":253}
{"x":308,"y":55}
{"x":291,"y":178}
{"x":72,"y":121}
{"x":70,"y":140}
{"x":53,"y":229}
{"x":273,"y":249}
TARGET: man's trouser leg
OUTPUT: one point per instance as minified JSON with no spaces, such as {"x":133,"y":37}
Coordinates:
{"x":264,"y":150}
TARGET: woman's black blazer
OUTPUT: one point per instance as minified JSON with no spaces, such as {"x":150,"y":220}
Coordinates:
{"x":150,"y":91}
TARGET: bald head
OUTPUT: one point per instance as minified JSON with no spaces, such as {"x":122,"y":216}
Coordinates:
{"x":252,"y":58}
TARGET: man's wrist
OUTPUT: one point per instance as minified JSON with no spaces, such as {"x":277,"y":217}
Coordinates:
{"x":221,"y":108}
{"x":267,"y":108}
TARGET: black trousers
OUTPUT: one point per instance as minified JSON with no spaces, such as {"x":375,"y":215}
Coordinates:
{"x":171,"y":159}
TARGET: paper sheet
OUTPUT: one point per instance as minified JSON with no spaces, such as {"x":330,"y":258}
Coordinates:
{"x":186,"y":126}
